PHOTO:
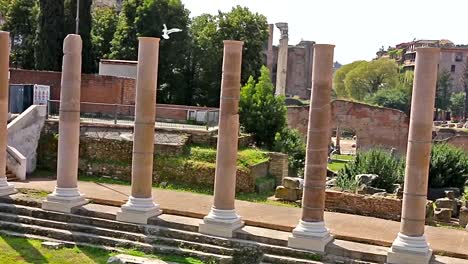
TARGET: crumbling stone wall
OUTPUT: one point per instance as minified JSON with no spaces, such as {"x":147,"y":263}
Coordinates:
{"x":374,"y":126}
{"x":381,"y":207}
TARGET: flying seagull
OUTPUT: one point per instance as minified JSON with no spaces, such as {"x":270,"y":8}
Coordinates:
{"x":167,"y":32}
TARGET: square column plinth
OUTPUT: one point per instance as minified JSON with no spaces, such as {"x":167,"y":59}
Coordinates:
{"x":138,"y":210}
{"x":409,"y":250}
{"x":63,"y":200}
{"x":6,"y":188}
{"x":221,"y":223}
{"x":312,"y":236}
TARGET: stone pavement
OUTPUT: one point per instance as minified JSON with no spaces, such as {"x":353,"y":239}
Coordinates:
{"x":449,"y":242}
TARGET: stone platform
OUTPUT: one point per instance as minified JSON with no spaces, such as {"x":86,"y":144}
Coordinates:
{"x":444,"y":241}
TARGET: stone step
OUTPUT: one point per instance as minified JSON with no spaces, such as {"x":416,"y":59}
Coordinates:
{"x":66,"y":235}
{"x":150,"y":239}
{"x":162,"y":235}
{"x":287,"y":260}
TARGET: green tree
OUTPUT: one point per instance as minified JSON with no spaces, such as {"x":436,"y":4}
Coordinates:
{"x":261,"y":113}
{"x":50,"y":34}
{"x":369,"y":77}
{"x":396,"y":98}
{"x":443,"y":90}
{"x":104,"y":25}
{"x":207,"y":56}
{"x":21,"y":21}
{"x":84,"y":29}
{"x":174,"y":66}
{"x":251,"y":28}
{"x":4,"y":6}
{"x":208,"y":33}
{"x":145,"y":18}
{"x":124,"y":43}
{"x":339,"y":77}
{"x":457,"y":103}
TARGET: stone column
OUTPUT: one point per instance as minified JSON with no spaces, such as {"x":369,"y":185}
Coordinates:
{"x":411,"y":246}
{"x":282,"y":66}
{"x":222,"y":219}
{"x":269,"y":51}
{"x":338,"y":138}
{"x":66,"y":194}
{"x":140,"y":205}
{"x":5,"y":187}
{"x":311,"y":233}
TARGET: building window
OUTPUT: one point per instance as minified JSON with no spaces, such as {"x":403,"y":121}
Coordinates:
{"x":459,"y":56}
{"x":453,"y":68}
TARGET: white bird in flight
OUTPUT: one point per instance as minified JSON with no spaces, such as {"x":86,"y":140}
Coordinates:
{"x":167,"y":32}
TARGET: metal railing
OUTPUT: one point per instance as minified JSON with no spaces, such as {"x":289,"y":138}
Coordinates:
{"x":103,"y":113}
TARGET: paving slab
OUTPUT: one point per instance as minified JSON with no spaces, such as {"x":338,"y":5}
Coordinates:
{"x":444,"y":241}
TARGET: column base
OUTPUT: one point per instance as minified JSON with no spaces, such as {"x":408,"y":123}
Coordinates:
{"x":138,"y":210}
{"x":6,"y":188}
{"x":221,"y":223}
{"x":312,"y":236}
{"x":63,"y":200}
{"x":407,"y":250}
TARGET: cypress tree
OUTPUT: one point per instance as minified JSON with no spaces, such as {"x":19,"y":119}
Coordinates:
{"x":84,"y":30}
{"x":50,"y":34}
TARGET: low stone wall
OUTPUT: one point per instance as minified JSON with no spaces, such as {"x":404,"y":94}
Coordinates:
{"x":112,"y":157}
{"x":381,"y":207}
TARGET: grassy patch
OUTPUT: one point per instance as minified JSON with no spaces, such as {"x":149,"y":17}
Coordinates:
{"x":344,"y":157}
{"x":336,"y":165}
{"x":36,"y":194}
{"x":245,"y":157}
{"x":17,"y":250}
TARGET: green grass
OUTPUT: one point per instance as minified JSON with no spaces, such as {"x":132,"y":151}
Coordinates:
{"x":245,"y":157}
{"x":18,"y":250}
{"x":35,"y":194}
{"x":344,"y":157}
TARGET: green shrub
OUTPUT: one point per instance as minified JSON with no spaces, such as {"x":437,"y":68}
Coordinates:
{"x":376,"y":161}
{"x":290,"y":141}
{"x":448,"y":167}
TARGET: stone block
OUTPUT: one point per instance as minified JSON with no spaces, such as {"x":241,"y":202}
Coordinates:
{"x":288,"y":194}
{"x":463,"y":217}
{"x":443,"y":215}
{"x":364,"y":189}
{"x":52,"y":245}
{"x":292,"y":182}
{"x":366,"y":178}
{"x":449,"y":204}
{"x":127,"y":259}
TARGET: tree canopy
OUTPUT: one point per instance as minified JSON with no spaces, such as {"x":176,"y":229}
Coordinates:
{"x":104,"y":21}
{"x":21,"y":21}
{"x":262,"y":113}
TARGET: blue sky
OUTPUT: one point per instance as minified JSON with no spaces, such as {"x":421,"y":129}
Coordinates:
{"x":358,"y":28}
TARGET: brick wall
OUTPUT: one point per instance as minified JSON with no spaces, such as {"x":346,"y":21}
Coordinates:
{"x":374,"y":126}
{"x":100,"y":89}
{"x":381,"y":207}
